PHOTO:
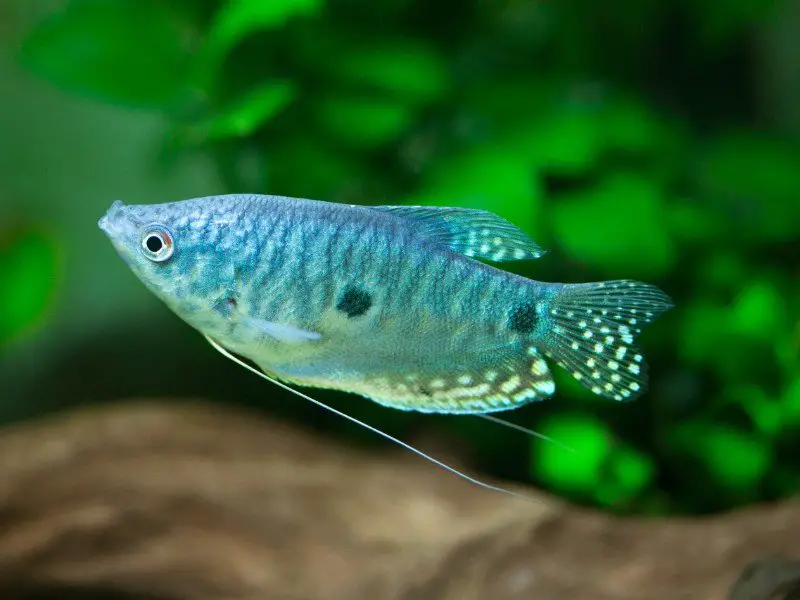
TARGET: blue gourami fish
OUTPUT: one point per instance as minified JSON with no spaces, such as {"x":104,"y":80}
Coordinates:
{"x":388,"y":302}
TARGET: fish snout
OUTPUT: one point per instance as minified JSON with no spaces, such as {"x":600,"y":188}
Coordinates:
{"x":114,"y":219}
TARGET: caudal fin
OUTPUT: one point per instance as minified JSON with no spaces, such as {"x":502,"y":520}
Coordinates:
{"x":592,"y":331}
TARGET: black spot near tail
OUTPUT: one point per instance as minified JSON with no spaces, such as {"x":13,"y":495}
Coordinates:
{"x":354,"y":302}
{"x":523,"y":319}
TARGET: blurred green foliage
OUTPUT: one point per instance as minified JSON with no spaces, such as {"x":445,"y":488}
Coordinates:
{"x":124,"y":51}
{"x":29,"y":263}
{"x":624,"y":136}
{"x":599,"y":467}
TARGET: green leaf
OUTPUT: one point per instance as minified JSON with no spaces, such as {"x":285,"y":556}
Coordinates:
{"x":630,"y":126}
{"x":759,"y":312}
{"x":566,"y":140}
{"x":723,"y":271}
{"x":30,"y":268}
{"x":790,"y":404}
{"x":363,"y":122}
{"x":764,"y":412}
{"x":248,"y":114}
{"x":627,"y":474}
{"x":407,"y":69}
{"x":237,"y":19}
{"x":617,"y":226}
{"x":735,"y":459}
{"x":709,"y":336}
{"x":130,"y":52}
{"x":754,"y":181}
{"x":693,"y":223}
{"x":738,"y":460}
{"x":703,"y":326}
{"x":578,"y":472}
{"x":509,"y":103}
{"x":631,"y":471}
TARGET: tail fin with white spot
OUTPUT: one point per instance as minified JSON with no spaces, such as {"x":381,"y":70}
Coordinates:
{"x":592,"y":327}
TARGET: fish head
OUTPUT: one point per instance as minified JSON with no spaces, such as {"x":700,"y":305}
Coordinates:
{"x":181,"y":251}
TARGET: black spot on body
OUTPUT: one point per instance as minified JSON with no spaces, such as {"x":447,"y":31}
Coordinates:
{"x":354,"y":302}
{"x":523,"y":319}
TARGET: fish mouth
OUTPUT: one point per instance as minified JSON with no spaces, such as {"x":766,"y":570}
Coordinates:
{"x":114,"y":221}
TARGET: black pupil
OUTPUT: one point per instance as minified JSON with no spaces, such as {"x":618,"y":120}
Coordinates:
{"x":154,"y":243}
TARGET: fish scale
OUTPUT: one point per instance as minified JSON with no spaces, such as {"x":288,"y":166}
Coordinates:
{"x":387,"y":302}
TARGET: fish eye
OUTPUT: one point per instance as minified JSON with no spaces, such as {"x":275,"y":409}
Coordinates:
{"x":157,"y":243}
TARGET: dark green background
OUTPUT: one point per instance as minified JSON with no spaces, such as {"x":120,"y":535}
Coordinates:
{"x":647,"y":139}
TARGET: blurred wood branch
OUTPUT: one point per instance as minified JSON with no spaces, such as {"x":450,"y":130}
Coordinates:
{"x":189,"y":501}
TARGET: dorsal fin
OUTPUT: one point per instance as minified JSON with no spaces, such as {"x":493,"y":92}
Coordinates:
{"x":471,"y":232}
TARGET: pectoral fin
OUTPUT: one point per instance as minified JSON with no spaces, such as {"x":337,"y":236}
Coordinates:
{"x":279,"y":331}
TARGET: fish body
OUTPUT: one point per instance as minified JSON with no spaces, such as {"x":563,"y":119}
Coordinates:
{"x":388,"y":302}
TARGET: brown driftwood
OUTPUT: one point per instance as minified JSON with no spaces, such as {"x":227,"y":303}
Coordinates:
{"x":192,"y":502}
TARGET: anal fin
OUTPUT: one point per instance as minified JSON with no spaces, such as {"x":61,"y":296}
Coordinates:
{"x":483,"y":387}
